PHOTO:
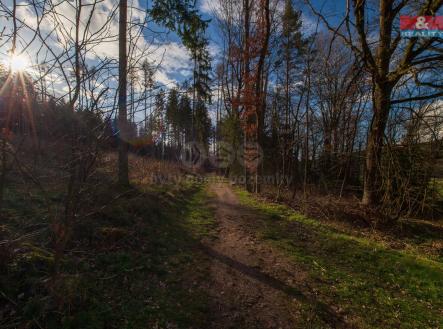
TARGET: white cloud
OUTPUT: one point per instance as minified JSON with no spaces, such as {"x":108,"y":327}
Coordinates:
{"x":214,"y":50}
{"x":210,"y":7}
{"x":58,"y":31}
{"x":172,"y":56}
{"x":309,"y":24}
{"x":162,"y":77}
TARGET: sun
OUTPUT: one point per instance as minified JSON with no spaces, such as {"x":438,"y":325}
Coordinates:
{"x":18,"y":63}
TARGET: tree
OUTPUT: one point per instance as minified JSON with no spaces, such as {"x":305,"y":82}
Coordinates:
{"x":158,"y":120}
{"x":185,"y":119}
{"x":290,"y":50}
{"x":339,"y":92}
{"x":148,"y":84}
{"x":388,"y":61}
{"x":202,"y":69}
{"x":173,"y":116}
{"x":254,"y":53}
{"x":202,"y":125}
{"x":123,"y":170}
{"x":179,"y":16}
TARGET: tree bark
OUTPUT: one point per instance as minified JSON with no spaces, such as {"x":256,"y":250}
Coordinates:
{"x":382,"y":97}
{"x":381,"y":103}
{"x":123,"y":177}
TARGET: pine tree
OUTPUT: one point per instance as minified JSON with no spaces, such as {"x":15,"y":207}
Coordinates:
{"x":180,"y":16}
{"x":185,"y":118}
{"x":172,"y":116}
{"x":289,"y":56}
{"x":202,"y":125}
{"x":148,"y":85}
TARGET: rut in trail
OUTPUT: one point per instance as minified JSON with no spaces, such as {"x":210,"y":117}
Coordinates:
{"x":252,"y":284}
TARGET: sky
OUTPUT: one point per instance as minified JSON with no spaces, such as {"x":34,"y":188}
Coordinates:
{"x":162,"y":48}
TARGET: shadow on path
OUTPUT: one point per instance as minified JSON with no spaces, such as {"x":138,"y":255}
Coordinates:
{"x":325,"y":312}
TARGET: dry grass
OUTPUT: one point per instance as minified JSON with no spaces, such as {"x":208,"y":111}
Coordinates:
{"x":347,"y":215}
{"x":146,"y":171}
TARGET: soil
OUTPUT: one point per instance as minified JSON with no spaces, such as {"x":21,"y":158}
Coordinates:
{"x":253,"y":285}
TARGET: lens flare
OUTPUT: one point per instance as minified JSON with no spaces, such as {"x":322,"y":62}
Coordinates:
{"x":18,"y":63}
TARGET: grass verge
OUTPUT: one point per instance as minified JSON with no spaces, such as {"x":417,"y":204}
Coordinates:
{"x":133,"y":263}
{"x":372,"y":286}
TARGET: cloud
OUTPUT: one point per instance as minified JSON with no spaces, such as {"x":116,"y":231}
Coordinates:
{"x":309,"y":24}
{"x":171,"y":60}
{"x":215,"y":50}
{"x":215,"y":8}
{"x":162,"y":77}
{"x":99,"y":26}
{"x":210,"y":7}
{"x":172,"y":56}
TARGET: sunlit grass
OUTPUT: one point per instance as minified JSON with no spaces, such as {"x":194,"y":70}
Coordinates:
{"x":374,"y":285}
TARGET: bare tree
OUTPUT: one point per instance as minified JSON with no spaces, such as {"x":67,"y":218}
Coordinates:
{"x":123,"y":171}
{"x":387,"y":61}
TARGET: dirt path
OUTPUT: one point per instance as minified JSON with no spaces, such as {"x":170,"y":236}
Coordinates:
{"x":253,"y":285}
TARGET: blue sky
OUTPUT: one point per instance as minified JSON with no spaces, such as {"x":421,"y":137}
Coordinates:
{"x":164,"y":49}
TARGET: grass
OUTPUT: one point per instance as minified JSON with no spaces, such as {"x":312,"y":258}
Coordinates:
{"x":134,"y":263}
{"x":374,"y":286}
{"x":437,"y":184}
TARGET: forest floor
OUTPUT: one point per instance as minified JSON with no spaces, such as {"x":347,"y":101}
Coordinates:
{"x":274,"y":268}
{"x":254,"y":285}
{"x":190,"y":254}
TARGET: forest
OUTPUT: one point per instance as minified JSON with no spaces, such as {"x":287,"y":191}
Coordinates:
{"x":221,"y":164}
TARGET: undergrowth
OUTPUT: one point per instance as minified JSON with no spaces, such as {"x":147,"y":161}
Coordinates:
{"x":132,"y":262}
{"x":372,"y":285}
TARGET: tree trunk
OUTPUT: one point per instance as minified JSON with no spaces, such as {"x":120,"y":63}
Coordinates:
{"x":382,"y":97}
{"x":3,"y":162}
{"x":123,"y":178}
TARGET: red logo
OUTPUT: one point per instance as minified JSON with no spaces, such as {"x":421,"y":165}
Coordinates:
{"x":420,"y":23}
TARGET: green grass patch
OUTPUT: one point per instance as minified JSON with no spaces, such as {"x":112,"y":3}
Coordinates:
{"x":135,"y":263}
{"x":437,"y":184}
{"x":376,"y":287}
